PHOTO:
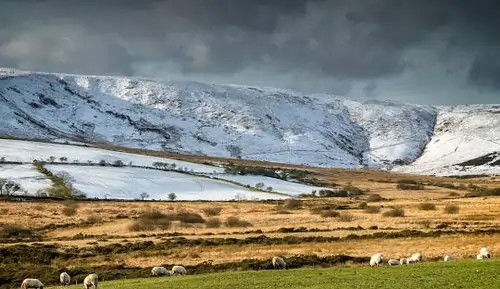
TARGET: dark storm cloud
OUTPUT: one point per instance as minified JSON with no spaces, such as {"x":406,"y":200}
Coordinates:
{"x":365,"y":47}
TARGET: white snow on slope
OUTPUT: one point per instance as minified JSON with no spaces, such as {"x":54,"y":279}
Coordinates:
{"x":129,"y":183}
{"x":219,"y":120}
{"x":27,"y":151}
{"x":462,"y":133}
{"x":26,"y":176}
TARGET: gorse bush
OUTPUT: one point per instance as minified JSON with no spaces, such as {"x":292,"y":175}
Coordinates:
{"x":374,"y":198}
{"x":212,"y":211}
{"x":372,"y":210}
{"x":236,"y":222}
{"x":427,"y":206}
{"x":213,"y":223}
{"x":396,"y":212}
{"x":451,"y":209}
{"x":292,"y":204}
{"x":189,"y":218}
{"x":151,"y":220}
{"x":329,"y":214}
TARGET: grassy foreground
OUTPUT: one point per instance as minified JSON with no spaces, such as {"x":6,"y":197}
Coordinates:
{"x":460,"y":274}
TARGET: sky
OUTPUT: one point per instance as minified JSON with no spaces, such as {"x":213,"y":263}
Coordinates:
{"x":426,"y":51}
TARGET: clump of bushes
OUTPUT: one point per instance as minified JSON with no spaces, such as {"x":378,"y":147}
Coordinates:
{"x":70,"y":209}
{"x":151,"y":220}
{"x":212,"y":211}
{"x":451,"y":209}
{"x":427,"y":206}
{"x":345,"y":217}
{"x":409,"y":185}
{"x":189,"y":218}
{"x":372,"y":209}
{"x":213,"y":223}
{"x":329,"y":214}
{"x":395,"y":212}
{"x":232,"y":222}
{"x":292,"y":204}
{"x":15,"y":231}
{"x":374,"y":198}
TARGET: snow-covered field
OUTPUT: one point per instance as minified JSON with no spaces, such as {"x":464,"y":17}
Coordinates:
{"x":278,"y":185}
{"x":26,"y":151}
{"x":129,"y":183}
{"x":26,"y":176}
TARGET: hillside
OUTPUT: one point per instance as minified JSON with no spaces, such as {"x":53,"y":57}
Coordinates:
{"x":246,"y":122}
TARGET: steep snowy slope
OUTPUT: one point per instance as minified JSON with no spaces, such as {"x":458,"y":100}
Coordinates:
{"x":466,"y":141}
{"x":219,"y":120}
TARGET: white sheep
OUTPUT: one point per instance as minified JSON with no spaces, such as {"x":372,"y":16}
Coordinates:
{"x":402,"y":261}
{"x":376,"y":259}
{"x":90,"y":281}
{"x":417,"y":257}
{"x":485,"y":252}
{"x":31,"y":283}
{"x":447,"y":258}
{"x":393,"y":262}
{"x":178,"y":270}
{"x":64,"y":278}
{"x":279,"y":263}
{"x":479,"y":257}
{"x":159,"y":271}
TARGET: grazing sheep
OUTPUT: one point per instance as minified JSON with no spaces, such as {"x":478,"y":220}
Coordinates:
{"x":279,"y":263}
{"x":402,"y":261}
{"x":393,"y":262}
{"x":479,"y":257}
{"x":90,"y":281}
{"x":417,"y":257}
{"x":64,"y":278}
{"x":376,"y":259}
{"x":447,"y":258}
{"x":485,"y":252}
{"x":159,"y":271}
{"x":32,"y":283}
{"x":179,"y":270}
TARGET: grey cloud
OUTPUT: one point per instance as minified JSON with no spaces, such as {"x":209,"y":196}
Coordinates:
{"x":354,"y":47}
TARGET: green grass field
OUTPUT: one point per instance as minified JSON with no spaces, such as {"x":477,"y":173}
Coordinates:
{"x":456,"y":274}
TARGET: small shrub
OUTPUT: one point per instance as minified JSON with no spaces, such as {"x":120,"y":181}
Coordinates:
{"x":453,"y":194}
{"x":427,"y":206}
{"x":190,"y":218}
{"x":329,"y":214}
{"x":292,"y":204}
{"x":345,"y":217}
{"x":405,"y":186}
{"x":374,"y":198}
{"x":363,"y":205}
{"x":213,"y":223}
{"x":425,"y":223}
{"x":236,"y":222}
{"x":71,"y":209}
{"x":372,"y":210}
{"x":212,"y":211}
{"x":93,"y":219}
{"x":352,"y":190}
{"x":451,"y":209}
{"x":118,"y":163}
{"x":151,"y":220}
{"x":15,"y":231}
{"x":396,"y":212}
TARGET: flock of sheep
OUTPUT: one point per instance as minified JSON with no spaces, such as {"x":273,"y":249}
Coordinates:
{"x":89,"y":282}
{"x":278,"y":263}
{"x":378,"y":259}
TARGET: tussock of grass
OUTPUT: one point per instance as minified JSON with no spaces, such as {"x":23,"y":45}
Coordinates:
{"x":426,"y":206}
{"x":212,"y":211}
{"x":396,"y":212}
{"x":236,"y":222}
{"x":451,"y":209}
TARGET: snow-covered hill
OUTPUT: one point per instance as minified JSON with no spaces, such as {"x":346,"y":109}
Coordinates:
{"x":248,"y":122}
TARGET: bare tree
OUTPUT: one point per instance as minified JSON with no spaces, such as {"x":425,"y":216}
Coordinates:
{"x":144,"y":195}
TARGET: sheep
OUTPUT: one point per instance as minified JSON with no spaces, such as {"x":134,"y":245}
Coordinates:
{"x":159,"y":271}
{"x":402,"y":261}
{"x":376,"y":259}
{"x":447,"y":258}
{"x":64,"y":278}
{"x":479,"y":257}
{"x":31,"y":283}
{"x":90,"y":281}
{"x":392,"y":262}
{"x":417,"y":257}
{"x":279,"y":263}
{"x":485,"y":252}
{"x":178,"y":270}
